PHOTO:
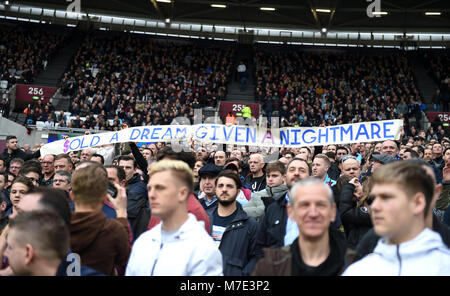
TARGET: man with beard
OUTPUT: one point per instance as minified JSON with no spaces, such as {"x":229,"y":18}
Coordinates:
{"x":232,"y":229}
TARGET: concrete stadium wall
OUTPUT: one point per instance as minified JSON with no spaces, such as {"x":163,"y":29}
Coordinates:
{"x":9,"y":127}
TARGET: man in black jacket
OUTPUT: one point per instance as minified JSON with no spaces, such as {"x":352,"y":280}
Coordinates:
{"x":137,"y":201}
{"x":232,"y":229}
{"x":12,"y":151}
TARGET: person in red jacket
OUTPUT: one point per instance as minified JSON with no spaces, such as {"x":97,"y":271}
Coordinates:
{"x":193,"y":205}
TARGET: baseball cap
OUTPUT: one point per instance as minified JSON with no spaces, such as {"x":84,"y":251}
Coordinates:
{"x":209,"y":169}
{"x":382,"y":158}
{"x":231,"y":166}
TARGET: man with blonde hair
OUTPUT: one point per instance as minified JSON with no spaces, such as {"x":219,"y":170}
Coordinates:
{"x":179,"y":245}
{"x":320,"y":166}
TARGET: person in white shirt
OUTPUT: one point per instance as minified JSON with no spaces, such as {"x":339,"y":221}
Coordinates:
{"x":179,"y":245}
{"x":399,"y":203}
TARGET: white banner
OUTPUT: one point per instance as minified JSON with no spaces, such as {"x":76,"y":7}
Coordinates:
{"x":237,"y":135}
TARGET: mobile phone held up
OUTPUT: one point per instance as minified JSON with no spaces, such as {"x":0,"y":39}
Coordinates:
{"x":112,"y":190}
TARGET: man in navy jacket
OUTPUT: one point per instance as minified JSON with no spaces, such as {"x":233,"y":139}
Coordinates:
{"x":232,"y":229}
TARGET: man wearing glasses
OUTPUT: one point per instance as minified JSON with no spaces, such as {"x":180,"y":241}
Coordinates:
{"x":15,"y":166}
{"x":48,"y":170}
{"x":62,"y":180}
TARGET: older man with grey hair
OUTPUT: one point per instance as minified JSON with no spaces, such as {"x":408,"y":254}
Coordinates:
{"x":256,"y":180}
{"x":319,"y":249}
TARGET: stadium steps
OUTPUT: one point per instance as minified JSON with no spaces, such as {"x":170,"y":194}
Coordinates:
{"x":57,"y":66}
{"x":60,"y":102}
{"x":425,"y":83}
{"x":18,"y":117}
{"x":245,"y":53}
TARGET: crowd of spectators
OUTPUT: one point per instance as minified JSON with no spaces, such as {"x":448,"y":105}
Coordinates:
{"x":312,"y":89}
{"x":439,"y":69}
{"x":25,"y":50}
{"x":237,"y":222}
{"x":141,"y":81}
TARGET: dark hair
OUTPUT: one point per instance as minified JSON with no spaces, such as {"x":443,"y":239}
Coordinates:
{"x":56,"y":200}
{"x":330,"y":155}
{"x":414,"y":154}
{"x":420,"y":148}
{"x":10,"y":138}
{"x":5,"y":175}
{"x":120,"y":171}
{"x":168,"y":153}
{"x":102,"y":159}
{"x":309,"y":150}
{"x":44,"y":230}
{"x":233,"y":159}
{"x":289,"y":152}
{"x":445,"y":150}
{"x":342,"y":148}
{"x":276,"y":166}
{"x":128,"y":158}
{"x":24,"y":180}
{"x":28,"y":168}
{"x":231,"y":175}
{"x":341,"y":181}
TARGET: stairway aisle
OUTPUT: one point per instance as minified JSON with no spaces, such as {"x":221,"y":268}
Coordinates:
{"x":245,"y":53}
{"x":57,"y":66}
{"x":424,"y":82}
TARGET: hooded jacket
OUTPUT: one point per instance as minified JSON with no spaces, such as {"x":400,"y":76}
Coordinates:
{"x":370,"y":239}
{"x":191,"y":252}
{"x":262,"y":199}
{"x":100,"y":242}
{"x":426,"y":254}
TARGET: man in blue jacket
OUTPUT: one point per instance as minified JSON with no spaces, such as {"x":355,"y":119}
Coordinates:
{"x":232,"y":229}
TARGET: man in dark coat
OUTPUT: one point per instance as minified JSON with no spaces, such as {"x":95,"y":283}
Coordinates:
{"x":12,"y":151}
{"x":232,"y":229}
{"x":138,"y":209}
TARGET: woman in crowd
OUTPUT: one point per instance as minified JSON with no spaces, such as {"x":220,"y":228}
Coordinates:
{"x":354,"y":213}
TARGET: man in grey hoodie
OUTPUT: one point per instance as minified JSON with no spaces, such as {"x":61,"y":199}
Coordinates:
{"x":275,"y":178}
